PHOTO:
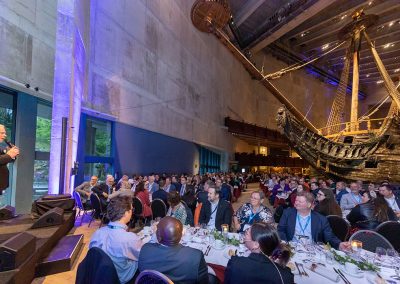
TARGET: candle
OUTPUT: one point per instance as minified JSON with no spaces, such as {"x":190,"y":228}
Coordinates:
{"x":225,"y":228}
{"x":356,"y":246}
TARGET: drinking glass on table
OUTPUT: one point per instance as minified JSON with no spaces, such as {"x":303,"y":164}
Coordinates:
{"x":379,"y":253}
{"x":392,"y":254}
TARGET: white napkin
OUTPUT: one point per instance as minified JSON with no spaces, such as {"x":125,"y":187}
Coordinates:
{"x":327,"y":273}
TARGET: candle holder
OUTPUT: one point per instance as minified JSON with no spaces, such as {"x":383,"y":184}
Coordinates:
{"x":225,"y":230}
{"x":356,"y":246}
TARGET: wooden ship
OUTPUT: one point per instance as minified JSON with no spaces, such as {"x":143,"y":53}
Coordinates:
{"x":346,"y":150}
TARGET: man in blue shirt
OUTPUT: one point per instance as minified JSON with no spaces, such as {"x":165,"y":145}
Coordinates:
{"x":303,"y":223}
{"x":121,"y":246}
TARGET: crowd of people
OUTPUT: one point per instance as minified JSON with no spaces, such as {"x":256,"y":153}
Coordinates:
{"x":300,"y":214}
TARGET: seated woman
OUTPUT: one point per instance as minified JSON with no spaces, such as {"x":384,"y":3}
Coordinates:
{"x":176,"y":208}
{"x":250,"y":213}
{"x":370,"y":213}
{"x":143,"y":194}
{"x":327,"y":204}
{"x":266,"y":262}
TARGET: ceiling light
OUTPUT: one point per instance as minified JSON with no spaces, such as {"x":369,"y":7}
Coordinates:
{"x":397,"y":70}
{"x":325,"y":46}
{"x":344,"y":16}
{"x":344,"y":57}
{"x":386,"y":45}
{"x":367,"y":75}
{"x":379,"y":82}
{"x":303,"y":34}
{"x":391,"y":24}
{"x":370,"y":3}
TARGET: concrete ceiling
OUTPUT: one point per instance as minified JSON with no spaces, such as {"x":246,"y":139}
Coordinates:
{"x":301,"y":27}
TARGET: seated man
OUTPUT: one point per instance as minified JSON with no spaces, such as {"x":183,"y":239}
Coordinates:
{"x":392,"y":199}
{"x":303,"y":223}
{"x":103,"y":190}
{"x":181,"y":264}
{"x":121,"y":246}
{"x":85,"y":189}
{"x":215,"y":211}
{"x":350,"y":200}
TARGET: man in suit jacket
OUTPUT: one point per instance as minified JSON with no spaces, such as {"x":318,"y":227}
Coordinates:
{"x":392,"y":199}
{"x":103,"y":190}
{"x":85,"y":189}
{"x":153,"y":186}
{"x":215,"y":211}
{"x":181,"y":264}
{"x":350,"y":200}
{"x":186,"y":191}
{"x":302,"y":222}
{"x":6,"y":156}
{"x":168,"y":187}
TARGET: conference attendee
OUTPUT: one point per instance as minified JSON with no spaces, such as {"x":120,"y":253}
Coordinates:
{"x":175,"y":182}
{"x":182,"y":264}
{"x":226,"y":192}
{"x":168,"y":186}
{"x":153,"y":186}
{"x":252,"y":212}
{"x":143,"y":194}
{"x":266,"y":262}
{"x":202,"y":195}
{"x":215,"y":211}
{"x":341,"y":190}
{"x":187,"y":194}
{"x":314,"y":188}
{"x":176,"y":208}
{"x":370,"y":213}
{"x":293,"y":194}
{"x":302,"y":223}
{"x":392,"y":199}
{"x":349,"y":201}
{"x":121,"y":246}
{"x":282,"y":186}
{"x":7,"y":155}
{"x":85,"y":189}
{"x":124,"y":183}
{"x":161,"y":193}
{"x":103,"y":190}
{"x":327,"y":204}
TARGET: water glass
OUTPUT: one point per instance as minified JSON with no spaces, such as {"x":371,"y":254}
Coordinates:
{"x":379,"y":254}
{"x":329,"y":257}
{"x":392,"y":255}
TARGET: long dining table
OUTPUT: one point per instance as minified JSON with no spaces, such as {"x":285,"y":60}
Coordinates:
{"x":325,"y":269}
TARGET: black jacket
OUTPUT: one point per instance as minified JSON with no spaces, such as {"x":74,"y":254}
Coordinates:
{"x":103,"y":187}
{"x":181,"y":264}
{"x":223,"y":216}
{"x":320,"y":229}
{"x":362,"y":216}
{"x":4,"y":175}
{"x":256,"y":268}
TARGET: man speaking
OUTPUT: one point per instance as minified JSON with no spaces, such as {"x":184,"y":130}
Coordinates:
{"x":6,"y":155}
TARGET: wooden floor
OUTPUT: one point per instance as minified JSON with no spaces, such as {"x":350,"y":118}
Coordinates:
{"x":69,"y":276}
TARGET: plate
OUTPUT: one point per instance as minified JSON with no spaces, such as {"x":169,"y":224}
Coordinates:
{"x":357,"y":275}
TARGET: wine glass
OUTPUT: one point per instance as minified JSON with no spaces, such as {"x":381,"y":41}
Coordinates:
{"x":379,"y":253}
{"x":241,"y":244}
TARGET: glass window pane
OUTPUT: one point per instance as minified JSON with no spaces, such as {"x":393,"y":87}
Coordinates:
{"x":98,"y":138}
{"x":7,"y":119}
{"x":43,"y":128}
{"x":97,"y":169}
{"x":40,"y":179}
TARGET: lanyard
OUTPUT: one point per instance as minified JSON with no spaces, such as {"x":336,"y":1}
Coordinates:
{"x":254,"y":215}
{"x":115,"y":227}
{"x":300,"y":225}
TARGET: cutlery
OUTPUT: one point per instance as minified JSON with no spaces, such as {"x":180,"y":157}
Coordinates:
{"x":304,"y":271}
{"x":208,"y":250}
{"x":340,"y":275}
{"x":297,"y":265}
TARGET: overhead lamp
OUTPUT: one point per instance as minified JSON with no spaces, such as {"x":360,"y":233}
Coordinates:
{"x":344,"y":16}
{"x":325,"y":46}
{"x":397,"y":70}
{"x":391,"y":24}
{"x":379,"y":82}
{"x":367,"y":75}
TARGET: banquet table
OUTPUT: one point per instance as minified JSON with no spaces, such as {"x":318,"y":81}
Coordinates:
{"x":219,"y":256}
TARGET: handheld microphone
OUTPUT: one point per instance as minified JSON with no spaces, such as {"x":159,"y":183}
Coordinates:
{"x":9,"y":144}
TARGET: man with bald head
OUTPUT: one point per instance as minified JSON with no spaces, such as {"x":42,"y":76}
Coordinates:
{"x":181,"y":264}
{"x":7,"y":155}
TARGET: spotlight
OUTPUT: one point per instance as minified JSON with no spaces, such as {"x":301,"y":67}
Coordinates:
{"x":27,"y":85}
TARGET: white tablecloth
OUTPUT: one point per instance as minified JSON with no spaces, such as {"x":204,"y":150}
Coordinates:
{"x":220,"y":257}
